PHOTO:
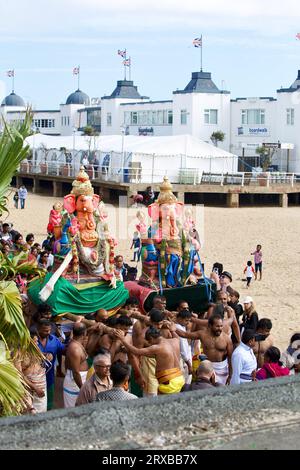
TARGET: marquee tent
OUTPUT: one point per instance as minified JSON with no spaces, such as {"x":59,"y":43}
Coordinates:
{"x":147,"y":159}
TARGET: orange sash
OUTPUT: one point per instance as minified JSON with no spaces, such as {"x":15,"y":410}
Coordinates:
{"x":165,"y":376}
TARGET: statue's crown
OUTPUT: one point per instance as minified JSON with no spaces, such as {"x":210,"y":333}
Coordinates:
{"x":82,"y":184}
{"x":166,"y":195}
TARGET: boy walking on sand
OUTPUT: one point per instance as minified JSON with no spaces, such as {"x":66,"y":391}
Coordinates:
{"x":249,"y":271}
{"x":258,"y":261}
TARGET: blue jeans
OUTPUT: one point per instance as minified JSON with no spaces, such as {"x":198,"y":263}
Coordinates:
{"x":22,"y":203}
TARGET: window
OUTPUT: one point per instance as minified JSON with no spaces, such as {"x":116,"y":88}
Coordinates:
{"x":211,"y":116}
{"x":160,"y":117}
{"x":290,"y":116}
{"x":94,"y":118}
{"x":253,"y":116}
{"x":108,"y":119}
{"x":134,"y":118}
{"x":45,"y":123}
{"x":127,"y":118}
{"x":183,"y":117}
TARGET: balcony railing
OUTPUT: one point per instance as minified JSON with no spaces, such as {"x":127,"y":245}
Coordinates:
{"x":186,"y":176}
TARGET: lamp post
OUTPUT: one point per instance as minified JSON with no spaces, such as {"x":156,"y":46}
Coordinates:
{"x":34,"y":130}
{"x":123,"y":129}
{"x":74,"y":137}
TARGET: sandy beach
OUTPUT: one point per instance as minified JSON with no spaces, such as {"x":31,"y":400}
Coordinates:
{"x":230,"y":236}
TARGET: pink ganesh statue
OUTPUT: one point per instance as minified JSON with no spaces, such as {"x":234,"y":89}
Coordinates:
{"x":168,"y":252}
{"x":83,"y":229}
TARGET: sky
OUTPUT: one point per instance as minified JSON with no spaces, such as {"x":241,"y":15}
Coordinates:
{"x":249,"y":46}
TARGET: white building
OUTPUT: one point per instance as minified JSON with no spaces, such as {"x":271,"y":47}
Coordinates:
{"x":199,"y":110}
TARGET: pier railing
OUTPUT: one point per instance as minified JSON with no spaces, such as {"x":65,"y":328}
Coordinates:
{"x":186,"y":176}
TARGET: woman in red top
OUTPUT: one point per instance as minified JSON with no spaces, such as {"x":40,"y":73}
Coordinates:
{"x":272,"y":366}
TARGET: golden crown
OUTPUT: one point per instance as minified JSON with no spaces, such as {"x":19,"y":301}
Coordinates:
{"x":166,"y":195}
{"x":82,"y":185}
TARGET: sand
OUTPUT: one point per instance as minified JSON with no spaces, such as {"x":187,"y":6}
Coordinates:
{"x":230,"y":236}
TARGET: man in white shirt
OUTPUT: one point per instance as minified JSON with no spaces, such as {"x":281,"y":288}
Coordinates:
{"x":244,"y":363}
{"x":183,"y":319}
{"x":85,"y":162}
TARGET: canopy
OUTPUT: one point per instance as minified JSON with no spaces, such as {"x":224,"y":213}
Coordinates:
{"x":128,"y":158}
{"x":167,"y":145}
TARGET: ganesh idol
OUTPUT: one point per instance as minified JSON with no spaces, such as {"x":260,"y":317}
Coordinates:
{"x":166,"y":249}
{"x":81,"y":227}
{"x":83,"y":279}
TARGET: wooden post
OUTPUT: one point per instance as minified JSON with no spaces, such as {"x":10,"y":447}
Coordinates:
{"x":233,"y":200}
{"x":283,"y":200}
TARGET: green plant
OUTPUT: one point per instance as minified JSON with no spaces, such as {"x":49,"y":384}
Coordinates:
{"x":13,"y":331}
{"x":266,"y":155}
{"x":217,"y":136}
{"x":12,"y":385}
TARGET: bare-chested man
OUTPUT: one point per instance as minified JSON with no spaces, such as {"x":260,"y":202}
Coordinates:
{"x":76,"y":365}
{"x":166,"y":353}
{"x":148,"y":364}
{"x":263,"y":340}
{"x":112,"y":344}
{"x":229,"y":323}
{"x":217,"y":346}
{"x":160,"y":303}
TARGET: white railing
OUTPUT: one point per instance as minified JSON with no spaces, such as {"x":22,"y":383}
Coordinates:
{"x":186,"y":176}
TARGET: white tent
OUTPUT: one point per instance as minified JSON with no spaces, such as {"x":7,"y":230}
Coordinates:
{"x":146,"y":159}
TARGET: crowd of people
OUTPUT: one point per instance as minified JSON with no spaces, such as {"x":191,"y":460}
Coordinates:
{"x":135,"y":353}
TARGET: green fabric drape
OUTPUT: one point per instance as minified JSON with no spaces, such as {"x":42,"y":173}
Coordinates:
{"x":67,"y":298}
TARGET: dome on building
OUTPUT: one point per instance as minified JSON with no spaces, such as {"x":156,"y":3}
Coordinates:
{"x":78,"y":97}
{"x":13,"y":100}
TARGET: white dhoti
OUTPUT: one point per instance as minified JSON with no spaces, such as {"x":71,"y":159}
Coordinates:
{"x":185,"y":371}
{"x":71,"y":389}
{"x":221,"y":371}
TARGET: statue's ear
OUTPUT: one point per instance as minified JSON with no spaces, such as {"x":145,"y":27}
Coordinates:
{"x":153,"y":211}
{"x":96,"y":200}
{"x":179,"y":208}
{"x":70,"y":203}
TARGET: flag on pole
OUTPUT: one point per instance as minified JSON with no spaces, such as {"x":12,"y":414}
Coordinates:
{"x":76,"y":70}
{"x":122,"y":53}
{"x":10,"y":73}
{"x":127,"y":62}
{"x":298,"y":36}
{"x":197,"y":42}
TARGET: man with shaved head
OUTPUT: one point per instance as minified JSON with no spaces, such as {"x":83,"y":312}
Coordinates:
{"x":205,"y":378}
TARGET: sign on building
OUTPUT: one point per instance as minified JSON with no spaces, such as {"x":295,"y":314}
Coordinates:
{"x":253,"y":130}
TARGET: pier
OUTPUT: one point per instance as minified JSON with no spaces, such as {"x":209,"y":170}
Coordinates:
{"x":192,"y":187}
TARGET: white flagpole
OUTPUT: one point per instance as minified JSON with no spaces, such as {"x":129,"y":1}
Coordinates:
{"x":125,"y":64}
{"x":129,"y":68}
{"x":78,"y":77}
{"x":201,"y":55}
{"x":13,"y":80}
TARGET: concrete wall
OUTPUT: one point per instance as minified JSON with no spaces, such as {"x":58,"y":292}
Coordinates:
{"x":98,"y":423}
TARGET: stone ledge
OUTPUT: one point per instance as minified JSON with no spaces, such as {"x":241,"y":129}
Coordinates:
{"x":108,"y":421}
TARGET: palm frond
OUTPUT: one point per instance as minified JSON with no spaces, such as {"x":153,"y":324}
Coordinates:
{"x":12,"y":324}
{"x":19,"y":264}
{"x":12,"y":385}
{"x":12,"y":151}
